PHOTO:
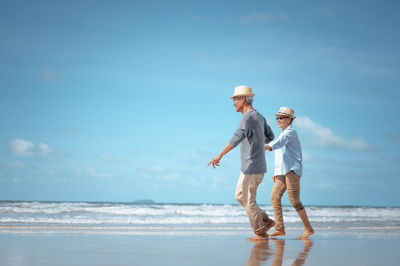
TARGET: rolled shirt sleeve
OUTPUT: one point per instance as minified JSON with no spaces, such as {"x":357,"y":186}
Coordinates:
{"x":237,"y":137}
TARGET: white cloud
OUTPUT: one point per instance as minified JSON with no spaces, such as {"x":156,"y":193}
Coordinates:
{"x":159,"y":168}
{"x":307,"y":157}
{"x":205,"y":181}
{"x":45,"y":149}
{"x":164,"y":174}
{"x":170,"y":176}
{"x":109,"y":158}
{"x":160,"y":172}
{"x":327,"y":186}
{"x":322,"y":137}
{"x":94,"y":173}
{"x":21,"y":147}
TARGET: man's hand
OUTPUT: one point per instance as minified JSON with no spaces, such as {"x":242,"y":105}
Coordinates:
{"x":215,"y":161}
{"x":268,"y":148}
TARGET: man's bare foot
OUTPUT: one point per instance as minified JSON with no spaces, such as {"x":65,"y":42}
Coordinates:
{"x":306,"y":234}
{"x":258,"y":238}
{"x":269,"y":224}
{"x":277,"y":233}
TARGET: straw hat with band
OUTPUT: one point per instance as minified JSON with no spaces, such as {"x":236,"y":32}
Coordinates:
{"x":242,"y":91}
{"x":286,"y":111}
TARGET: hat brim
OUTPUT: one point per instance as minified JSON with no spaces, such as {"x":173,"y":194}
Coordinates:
{"x":239,"y":95}
{"x":287,"y":115}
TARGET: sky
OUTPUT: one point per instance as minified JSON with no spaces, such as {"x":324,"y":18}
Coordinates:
{"x":129,"y":100}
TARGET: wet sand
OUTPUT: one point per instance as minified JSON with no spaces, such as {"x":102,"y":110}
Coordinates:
{"x":326,"y":247}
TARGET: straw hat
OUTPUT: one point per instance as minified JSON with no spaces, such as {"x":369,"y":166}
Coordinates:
{"x":286,"y":111}
{"x":242,"y":91}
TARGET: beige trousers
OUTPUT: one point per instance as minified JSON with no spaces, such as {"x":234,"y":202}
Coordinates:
{"x":246,"y":192}
{"x":291,"y":183}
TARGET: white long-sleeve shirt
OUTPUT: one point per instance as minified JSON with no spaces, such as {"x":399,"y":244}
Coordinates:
{"x":288,"y":155}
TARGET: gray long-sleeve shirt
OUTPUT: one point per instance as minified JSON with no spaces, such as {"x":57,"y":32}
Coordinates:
{"x":253,"y":132}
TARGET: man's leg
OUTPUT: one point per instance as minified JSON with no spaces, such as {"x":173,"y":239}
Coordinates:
{"x":268,"y":222}
{"x":249,"y":191}
{"x":239,"y":189}
{"x":276,"y":196}
{"x":293,"y":188}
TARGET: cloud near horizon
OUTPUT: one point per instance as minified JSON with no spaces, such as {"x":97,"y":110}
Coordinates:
{"x":109,"y":158}
{"x":95,"y":173}
{"x":45,"y":149}
{"x":22,"y":147}
{"x":322,"y":137}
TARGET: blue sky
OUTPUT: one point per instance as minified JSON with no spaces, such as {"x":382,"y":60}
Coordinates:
{"x":129,"y":100}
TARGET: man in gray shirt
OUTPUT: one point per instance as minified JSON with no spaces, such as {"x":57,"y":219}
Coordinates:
{"x":253,"y":132}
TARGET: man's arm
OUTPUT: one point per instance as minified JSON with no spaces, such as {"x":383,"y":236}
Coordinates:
{"x":237,"y":137}
{"x":215,"y":161}
{"x":268,"y":134}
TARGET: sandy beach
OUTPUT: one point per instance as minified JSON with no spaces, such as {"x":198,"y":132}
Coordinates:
{"x":327,"y":247}
{"x":90,"y":233}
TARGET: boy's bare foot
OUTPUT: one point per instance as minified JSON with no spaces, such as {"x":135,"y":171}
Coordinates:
{"x":277,"y":233}
{"x":258,"y":238}
{"x":269,"y":224}
{"x":306,"y":234}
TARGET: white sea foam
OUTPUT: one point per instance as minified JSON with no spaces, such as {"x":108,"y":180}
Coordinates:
{"x":232,"y":216}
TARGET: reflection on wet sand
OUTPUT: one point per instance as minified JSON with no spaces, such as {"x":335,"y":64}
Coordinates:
{"x":279,"y":247}
{"x":301,"y":258}
{"x":261,"y":252}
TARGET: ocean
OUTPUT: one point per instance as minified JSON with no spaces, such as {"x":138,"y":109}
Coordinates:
{"x":179,"y":219}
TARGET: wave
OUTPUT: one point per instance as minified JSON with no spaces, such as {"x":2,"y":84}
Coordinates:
{"x":181,"y":214}
{"x":119,"y":209}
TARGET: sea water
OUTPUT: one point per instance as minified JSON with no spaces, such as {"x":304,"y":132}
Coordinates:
{"x":178,"y":219}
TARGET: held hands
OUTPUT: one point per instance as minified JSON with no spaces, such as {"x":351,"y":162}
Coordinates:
{"x":215,"y":161}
